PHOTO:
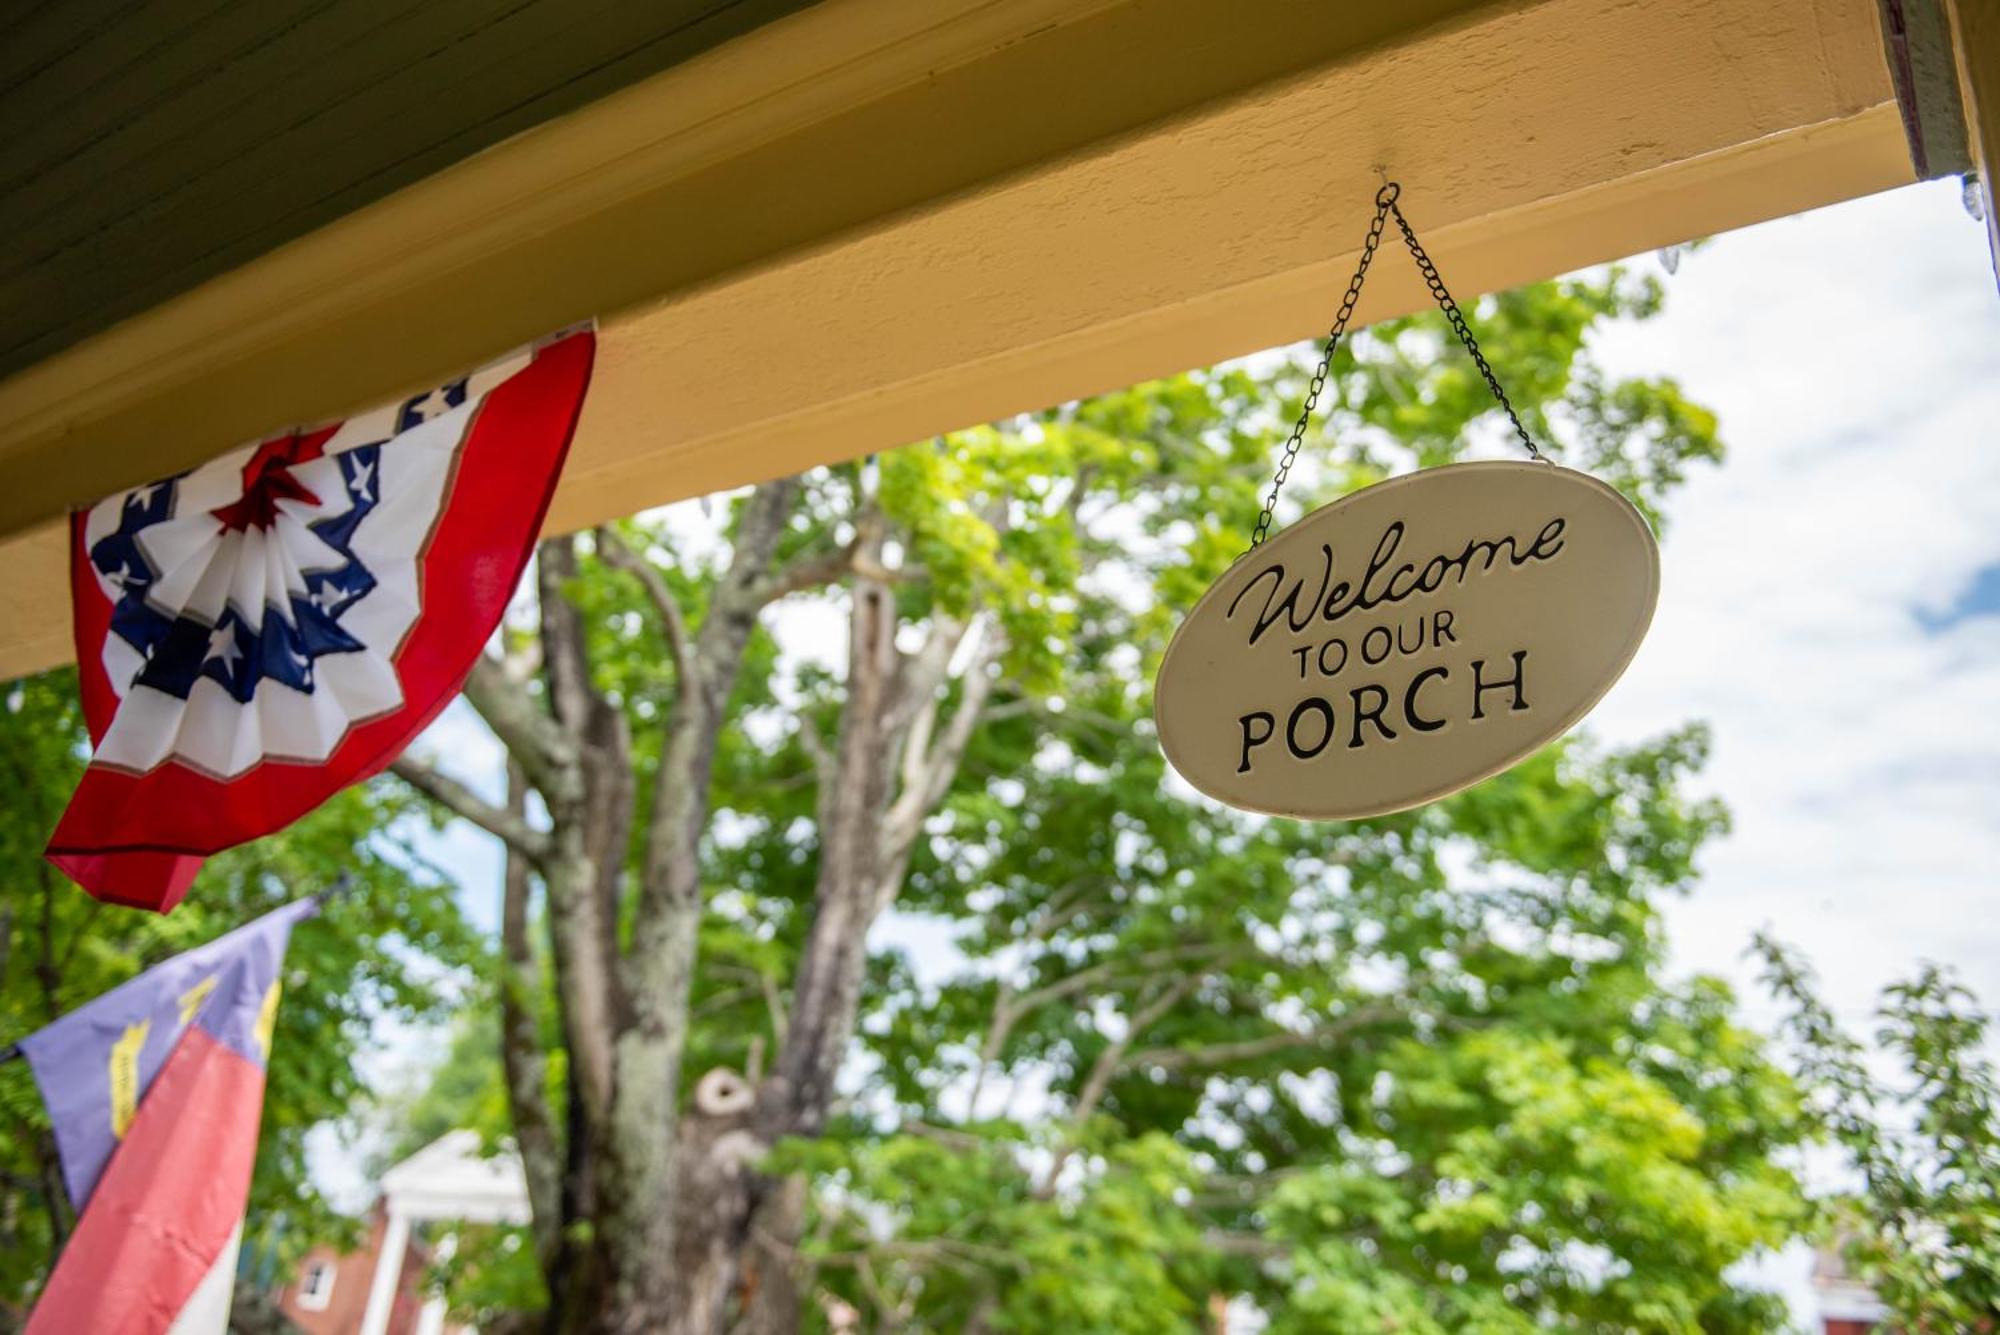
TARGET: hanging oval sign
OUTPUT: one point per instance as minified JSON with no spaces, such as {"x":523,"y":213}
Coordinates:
{"x":1408,"y":640}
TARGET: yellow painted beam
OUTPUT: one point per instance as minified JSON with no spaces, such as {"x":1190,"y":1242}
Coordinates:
{"x":881,"y":219}
{"x":1975,"y":37}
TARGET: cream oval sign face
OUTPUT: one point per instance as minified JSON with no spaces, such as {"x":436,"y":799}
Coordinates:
{"x":1408,"y":640}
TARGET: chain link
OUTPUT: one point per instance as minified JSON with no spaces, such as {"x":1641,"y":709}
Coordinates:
{"x":1385,"y":207}
{"x":1384,"y":201}
{"x":1461,"y":328}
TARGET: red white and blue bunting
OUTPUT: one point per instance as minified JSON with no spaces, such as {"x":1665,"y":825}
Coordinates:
{"x":260,"y":632}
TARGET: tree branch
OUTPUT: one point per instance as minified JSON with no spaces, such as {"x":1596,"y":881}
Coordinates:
{"x":522,"y":1059}
{"x":816,"y":747}
{"x":1007,"y":1008}
{"x":585,"y":876}
{"x":546,"y":753}
{"x":807,"y":572}
{"x":565,"y":655}
{"x":919,"y":678}
{"x":1142,"y":966}
{"x":1221,"y":1054}
{"x":1251,"y":1245}
{"x":680,"y":796}
{"x":511,"y":828}
{"x":617,"y":553}
{"x":656,"y":971}
{"x":1112,"y":1059}
{"x":856,"y":855}
{"x":930,"y":767}
{"x":856,"y":556}
{"x":774,"y":1006}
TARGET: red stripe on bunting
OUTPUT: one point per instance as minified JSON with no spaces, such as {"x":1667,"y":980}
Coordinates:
{"x":138,"y":839}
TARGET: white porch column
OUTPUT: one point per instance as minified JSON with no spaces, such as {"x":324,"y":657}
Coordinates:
{"x":430,"y":1321}
{"x":388,"y":1269}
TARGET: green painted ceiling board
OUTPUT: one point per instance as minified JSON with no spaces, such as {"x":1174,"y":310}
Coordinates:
{"x":40,"y":34}
{"x":145,"y":148}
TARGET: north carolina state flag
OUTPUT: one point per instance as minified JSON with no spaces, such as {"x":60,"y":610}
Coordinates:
{"x":155,"y":1091}
{"x":256,"y":634}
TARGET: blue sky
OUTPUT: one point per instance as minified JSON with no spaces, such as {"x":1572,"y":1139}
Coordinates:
{"x":1979,"y":598}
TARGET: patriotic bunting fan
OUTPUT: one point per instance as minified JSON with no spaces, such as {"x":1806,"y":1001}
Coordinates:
{"x":256,"y":634}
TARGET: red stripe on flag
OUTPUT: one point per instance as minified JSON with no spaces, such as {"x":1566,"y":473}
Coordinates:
{"x":168,"y":1201}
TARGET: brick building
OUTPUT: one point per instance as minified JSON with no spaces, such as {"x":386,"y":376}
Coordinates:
{"x":328,"y":1292}
{"x":378,"y":1288}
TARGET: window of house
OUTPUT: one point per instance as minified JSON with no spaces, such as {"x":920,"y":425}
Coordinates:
{"x":316,"y":1289}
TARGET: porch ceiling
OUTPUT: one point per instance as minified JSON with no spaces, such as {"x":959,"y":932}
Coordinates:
{"x":153,"y":146}
{"x":873,"y":220}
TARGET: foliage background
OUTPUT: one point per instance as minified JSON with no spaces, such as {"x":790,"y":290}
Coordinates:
{"x":394,"y":949}
{"x":1422,"y":1073}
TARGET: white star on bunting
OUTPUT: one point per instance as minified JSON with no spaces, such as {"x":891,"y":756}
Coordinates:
{"x":222,"y":644}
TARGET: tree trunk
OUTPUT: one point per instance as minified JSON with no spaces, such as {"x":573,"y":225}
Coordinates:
{"x":737,"y":1233}
{"x":774,"y":1289}
{"x":648,"y":1220}
{"x":714,"y":1158}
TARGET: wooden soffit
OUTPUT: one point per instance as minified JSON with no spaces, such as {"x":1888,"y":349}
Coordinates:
{"x":875,"y":220}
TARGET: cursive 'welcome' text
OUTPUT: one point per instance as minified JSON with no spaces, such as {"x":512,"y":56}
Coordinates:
{"x":1384,"y":582}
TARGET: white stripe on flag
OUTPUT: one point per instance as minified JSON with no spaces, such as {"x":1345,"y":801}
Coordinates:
{"x":207,"y":1310}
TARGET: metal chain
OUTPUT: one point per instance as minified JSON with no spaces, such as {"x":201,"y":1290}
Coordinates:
{"x":1385,"y":205}
{"x":1384,"y":201}
{"x":1458,"y":324}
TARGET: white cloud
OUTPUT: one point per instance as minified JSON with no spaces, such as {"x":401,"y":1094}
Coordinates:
{"x":1853,"y":355}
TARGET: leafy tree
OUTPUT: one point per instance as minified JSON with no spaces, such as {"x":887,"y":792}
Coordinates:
{"x":387,"y":948}
{"x":461,"y":1092}
{"x":1395,"y":1097}
{"x":1924,"y":1230}
{"x":1415,"y":1073}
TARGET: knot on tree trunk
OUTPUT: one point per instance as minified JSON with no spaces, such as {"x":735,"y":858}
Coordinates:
{"x":721,"y":1092}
